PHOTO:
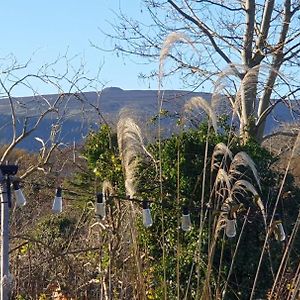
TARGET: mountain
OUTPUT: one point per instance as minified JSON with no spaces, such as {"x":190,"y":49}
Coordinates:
{"x":78,"y":113}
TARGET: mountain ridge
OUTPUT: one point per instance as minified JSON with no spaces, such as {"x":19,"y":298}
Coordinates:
{"x":81,"y":112}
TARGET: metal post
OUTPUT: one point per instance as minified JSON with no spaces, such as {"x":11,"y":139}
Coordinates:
{"x":5,"y":172}
{"x":4,"y":239}
{"x":4,"y":242}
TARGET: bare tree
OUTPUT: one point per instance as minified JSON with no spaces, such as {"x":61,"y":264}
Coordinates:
{"x":85,"y":252}
{"x":22,"y":116}
{"x":256,"y":42}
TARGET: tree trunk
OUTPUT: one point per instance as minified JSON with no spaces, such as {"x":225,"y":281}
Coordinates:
{"x":247,"y":98}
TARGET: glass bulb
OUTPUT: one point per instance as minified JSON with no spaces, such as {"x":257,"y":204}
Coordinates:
{"x":147,"y":219}
{"x":186,"y":223}
{"x":100,"y":209}
{"x":230,"y":228}
{"x":280,"y":234}
{"x":19,"y":196}
{"x":57,"y":203}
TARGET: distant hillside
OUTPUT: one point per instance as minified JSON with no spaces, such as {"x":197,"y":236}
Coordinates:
{"x":78,"y":114}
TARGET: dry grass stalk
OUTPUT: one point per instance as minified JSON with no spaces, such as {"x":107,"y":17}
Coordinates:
{"x":269,"y":229}
{"x":131,"y":148}
{"x":170,"y":40}
{"x":199,"y":103}
{"x":243,"y":159}
{"x":222,"y":176}
{"x":220,"y":150}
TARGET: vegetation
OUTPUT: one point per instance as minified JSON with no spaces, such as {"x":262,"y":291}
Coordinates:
{"x":243,"y":51}
{"x":179,"y":261}
{"x":117,"y":258}
{"x":214,"y":172}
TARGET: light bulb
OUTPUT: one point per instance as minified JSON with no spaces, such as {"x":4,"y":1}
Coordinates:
{"x":147,"y":219}
{"x":230,"y":228}
{"x":100,"y":205}
{"x":57,"y":203}
{"x":279,"y":230}
{"x":186,"y":223}
{"x":280,"y":236}
{"x":19,"y":196}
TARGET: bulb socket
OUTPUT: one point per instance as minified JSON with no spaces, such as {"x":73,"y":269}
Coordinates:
{"x":145,"y":205}
{"x":99,"y":198}
{"x":58,"y":192}
{"x":16,"y":185}
{"x":185,"y":210}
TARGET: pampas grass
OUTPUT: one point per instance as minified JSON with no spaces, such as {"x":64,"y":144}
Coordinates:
{"x":243,"y":186}
{"x":132,"y":151}
{"x":132,"y":148}
{"x":171,"y":39}
{"x":222,"y":176}
{"x":199,"y":103}
{"x":229,"y":183}
{"x":220,"y":150}
{"x":243,"y":159}
{"x":269,"y":229}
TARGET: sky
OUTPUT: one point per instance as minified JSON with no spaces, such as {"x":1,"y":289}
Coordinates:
{"x":43,"y":30}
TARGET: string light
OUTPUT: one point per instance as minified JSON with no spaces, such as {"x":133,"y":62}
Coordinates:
{"x":186,"y":223}
{"x":100,"y":205}
{"x":278,"y":229}
{"x":102,"y":199}
{"x":230,"y":227}
{"x":147,"y":219}
{"x":57,"y":202}
{"x":19,"y":196}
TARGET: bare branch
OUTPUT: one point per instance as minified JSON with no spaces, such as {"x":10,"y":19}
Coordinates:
{"x":264,"y":30}
{"x":233,"y":9}
{"x":276,"y":64}
{"x":205,"y":30}
{"x":248,"y":36}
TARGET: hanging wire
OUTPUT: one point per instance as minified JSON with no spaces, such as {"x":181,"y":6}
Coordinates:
{"x":164,"y":205}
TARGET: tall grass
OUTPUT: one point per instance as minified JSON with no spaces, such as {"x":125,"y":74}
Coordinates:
{"x":236,"y":184}
{"x":234,"y":191}
{"x":132,"y":149}
{"x":169,"y":42}
{"x":292,"y":237}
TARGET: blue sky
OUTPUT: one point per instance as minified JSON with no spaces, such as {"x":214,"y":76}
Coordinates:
{"x":50,"y":28}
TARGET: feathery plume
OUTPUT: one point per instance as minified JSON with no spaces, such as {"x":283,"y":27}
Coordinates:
{"x":243,"y":159}
{"x":199,"y":103}
{"x":222,"y":176}
{"x":223,"y":150}
{"x":244,"y":185}
{"x":170,"y":40}
{"x":132,"y":148}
